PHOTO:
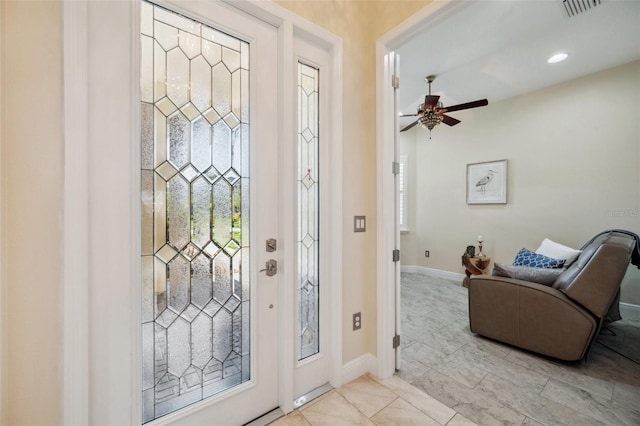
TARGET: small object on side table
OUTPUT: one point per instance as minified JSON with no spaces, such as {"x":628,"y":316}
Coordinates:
{"x":474,"y":266}
{"x":480,"y":240}
{"x":470,"y":251}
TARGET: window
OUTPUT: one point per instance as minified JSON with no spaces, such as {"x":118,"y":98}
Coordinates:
{"x":195,"y":285}
{"x":308,"y":227}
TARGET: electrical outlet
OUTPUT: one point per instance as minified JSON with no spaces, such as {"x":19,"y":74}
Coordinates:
{"x":426,"y":253}
{"x":357,"y":321}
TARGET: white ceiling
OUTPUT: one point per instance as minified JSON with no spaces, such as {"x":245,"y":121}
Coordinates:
{"x":498,"y":49}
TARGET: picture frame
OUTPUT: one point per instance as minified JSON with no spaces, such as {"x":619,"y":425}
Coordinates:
{"x":487,"y":182}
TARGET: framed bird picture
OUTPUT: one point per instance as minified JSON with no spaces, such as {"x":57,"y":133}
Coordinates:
{"x":487,"y":182}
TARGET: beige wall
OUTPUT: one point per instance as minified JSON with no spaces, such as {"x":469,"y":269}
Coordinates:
{"x":32,"y":161}
{"x":573,"y":152}
{"x":359,"y":23}
{"x":32,"y":167}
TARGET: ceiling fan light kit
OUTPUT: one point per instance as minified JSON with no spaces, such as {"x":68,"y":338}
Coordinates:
{"x":431,"y":113}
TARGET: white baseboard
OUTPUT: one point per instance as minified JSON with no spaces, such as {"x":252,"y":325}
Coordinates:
{"x":355,"y":368}
{"x":627,"y":310}
{"x":438,"y":273}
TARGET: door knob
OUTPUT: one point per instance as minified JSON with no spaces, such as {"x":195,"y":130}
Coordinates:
{"x":271,"y":267}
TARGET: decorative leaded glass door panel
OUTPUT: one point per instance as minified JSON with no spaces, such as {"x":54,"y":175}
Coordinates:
{"x":313,"y":171}
{"x":208,"y":138}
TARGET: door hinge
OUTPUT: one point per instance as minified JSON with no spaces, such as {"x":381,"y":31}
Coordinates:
{"x":396,"y":341}
{"x":396,"y":167}
{"x":396,"y":255}
{"x":395,"y":81}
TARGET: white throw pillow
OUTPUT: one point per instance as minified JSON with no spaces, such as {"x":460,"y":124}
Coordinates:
{"x":558,"y":251}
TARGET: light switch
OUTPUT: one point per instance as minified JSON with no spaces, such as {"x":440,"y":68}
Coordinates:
{"x":359,"y":224}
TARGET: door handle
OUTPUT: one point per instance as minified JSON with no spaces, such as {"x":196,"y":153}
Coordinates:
{"x":271,"y":267}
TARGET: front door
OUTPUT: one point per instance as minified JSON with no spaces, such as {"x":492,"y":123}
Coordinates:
{"x":209,"y":204}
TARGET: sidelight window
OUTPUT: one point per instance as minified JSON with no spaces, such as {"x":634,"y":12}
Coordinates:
{"x":308,"y":212}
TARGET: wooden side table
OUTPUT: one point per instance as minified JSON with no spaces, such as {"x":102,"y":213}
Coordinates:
{"x":475,"y":266}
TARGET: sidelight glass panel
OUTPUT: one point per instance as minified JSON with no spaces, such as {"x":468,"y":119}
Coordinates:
{"x":194,"y":211}
{"x":308,"y":226}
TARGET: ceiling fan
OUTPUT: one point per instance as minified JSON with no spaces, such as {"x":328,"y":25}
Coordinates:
{"x":432,"y":112}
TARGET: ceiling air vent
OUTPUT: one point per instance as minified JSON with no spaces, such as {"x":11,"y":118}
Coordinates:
{"x":574,"y":7}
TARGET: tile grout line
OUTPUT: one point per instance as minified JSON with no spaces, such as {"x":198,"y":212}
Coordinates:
{"x":417,"y":408}
{"x":394,"y":400}
{"x":360,"y":411}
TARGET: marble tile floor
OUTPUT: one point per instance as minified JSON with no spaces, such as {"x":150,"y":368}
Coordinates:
{"x":449,"y":376}
{"x":489,"y":383}
{"x":368,"y":400}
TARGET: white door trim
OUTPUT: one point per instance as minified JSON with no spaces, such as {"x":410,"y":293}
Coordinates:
{"x":385,"y":186}
{"x":386,"y":213}
{"x":83,"y":214}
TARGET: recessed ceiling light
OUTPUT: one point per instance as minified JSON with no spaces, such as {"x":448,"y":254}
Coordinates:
{"x":557,"y":58}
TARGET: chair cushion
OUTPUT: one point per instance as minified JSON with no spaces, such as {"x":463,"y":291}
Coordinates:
{"x":528,"y":258}
{"x":544,"y":276}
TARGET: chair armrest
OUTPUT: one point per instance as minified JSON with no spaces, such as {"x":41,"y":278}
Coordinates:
{"x":529,"y":315}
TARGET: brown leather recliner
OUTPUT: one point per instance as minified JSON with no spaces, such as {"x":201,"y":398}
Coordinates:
{"x":562,"y":320}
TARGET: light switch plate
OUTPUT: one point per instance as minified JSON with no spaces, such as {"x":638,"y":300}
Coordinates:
{"x":359,"y":223}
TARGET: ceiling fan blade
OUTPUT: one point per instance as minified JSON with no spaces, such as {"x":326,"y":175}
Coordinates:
{"x":474,"y":104}
{"x":449,"y":121}
{"x":431,"y":100}
{"x":409,"y":126}
{"x":409,"y":115}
